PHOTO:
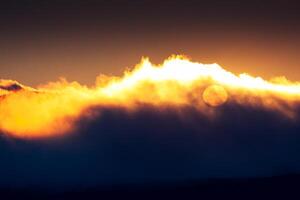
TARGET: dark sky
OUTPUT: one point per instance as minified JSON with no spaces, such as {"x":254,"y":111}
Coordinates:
{"x":43,"y":40}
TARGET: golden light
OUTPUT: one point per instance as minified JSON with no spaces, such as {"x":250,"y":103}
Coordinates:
{"x":52,"y":109}
{"x":215,"y":95}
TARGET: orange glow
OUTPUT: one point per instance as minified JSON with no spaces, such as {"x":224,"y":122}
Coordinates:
{"x":52,"y":109}
{"x":215,"y":95}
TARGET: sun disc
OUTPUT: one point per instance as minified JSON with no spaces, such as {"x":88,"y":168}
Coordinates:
{"x":215,"y":95}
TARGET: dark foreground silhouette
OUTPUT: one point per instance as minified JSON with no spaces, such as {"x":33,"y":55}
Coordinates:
{"x":283,"y":187}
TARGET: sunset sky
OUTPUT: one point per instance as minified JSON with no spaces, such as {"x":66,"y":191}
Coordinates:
{"x":98,"y":95}
{"x":41,"y":41}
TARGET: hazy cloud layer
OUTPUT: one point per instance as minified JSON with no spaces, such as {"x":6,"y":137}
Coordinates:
{"x":180,"y":121}
{"x":116,"y":146}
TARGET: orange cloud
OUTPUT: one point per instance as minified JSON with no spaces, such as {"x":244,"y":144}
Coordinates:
{"x":52,"y":109}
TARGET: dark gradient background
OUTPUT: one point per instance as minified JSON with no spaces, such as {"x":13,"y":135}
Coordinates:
{"x":43,"y":40}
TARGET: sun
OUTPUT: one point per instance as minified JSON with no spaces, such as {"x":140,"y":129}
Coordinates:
{"x":215,"y":95}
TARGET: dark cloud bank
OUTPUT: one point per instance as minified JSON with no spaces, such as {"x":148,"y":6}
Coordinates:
{"x":155,"y":145}
{"x":11,"y":86}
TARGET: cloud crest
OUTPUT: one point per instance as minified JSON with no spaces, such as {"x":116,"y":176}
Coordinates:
{"x":53,"y":109}
{"x":150,"y":125}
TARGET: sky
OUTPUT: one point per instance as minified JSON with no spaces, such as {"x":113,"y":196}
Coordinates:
{"x":44,"y":40}
{"x":188,"y":119}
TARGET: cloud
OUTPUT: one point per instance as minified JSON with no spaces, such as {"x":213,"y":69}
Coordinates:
{"x":7,"y":86}
{"x":154,"y":124}
{"x":177,"y":82}
{"x":155,"y":145}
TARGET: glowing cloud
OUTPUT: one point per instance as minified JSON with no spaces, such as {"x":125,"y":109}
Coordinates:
{"x":53,"y":109}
